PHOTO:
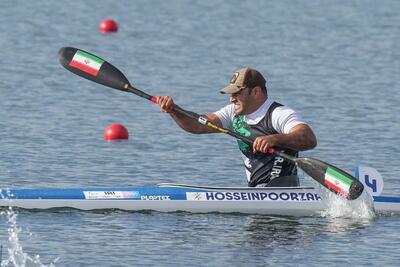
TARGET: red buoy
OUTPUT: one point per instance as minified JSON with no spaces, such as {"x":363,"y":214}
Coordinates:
{"x":108,"y":25}
{"x":115,"y":132}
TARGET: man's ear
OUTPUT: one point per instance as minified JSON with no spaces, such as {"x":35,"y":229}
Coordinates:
{"x":257,"y":90}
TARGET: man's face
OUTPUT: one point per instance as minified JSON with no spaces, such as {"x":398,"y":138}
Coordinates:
{"x":242,"y":101}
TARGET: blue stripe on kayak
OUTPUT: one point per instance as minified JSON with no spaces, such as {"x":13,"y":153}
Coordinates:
{"x":42,"y":194}
{"x":78,"y":193}
{"x":387,"y":199}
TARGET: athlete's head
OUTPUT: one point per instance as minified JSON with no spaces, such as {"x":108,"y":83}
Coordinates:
{"x":248,"y":90}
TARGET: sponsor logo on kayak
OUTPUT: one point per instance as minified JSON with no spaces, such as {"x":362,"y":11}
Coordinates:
{"x":155,"y":197}
{"x":111,"y":194}
{"x":254,"y":196}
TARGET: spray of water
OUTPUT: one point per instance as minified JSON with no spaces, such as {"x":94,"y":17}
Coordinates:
{"x":338,"y":207}
{"x":361,"y":208}
{"x":16,"y":255}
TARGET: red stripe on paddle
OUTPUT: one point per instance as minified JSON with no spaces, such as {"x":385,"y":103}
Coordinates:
{"x":336,"y":188}
{"x":83,"y":68}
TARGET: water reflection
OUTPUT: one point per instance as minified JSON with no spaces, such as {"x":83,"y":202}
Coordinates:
{"x":274,"y":231}
{"x":270,"y":231}
{"x":343,"y":225}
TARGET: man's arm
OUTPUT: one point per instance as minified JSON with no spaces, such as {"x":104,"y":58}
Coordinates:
{"x":300,"y":137}
{"x":166,"y":104}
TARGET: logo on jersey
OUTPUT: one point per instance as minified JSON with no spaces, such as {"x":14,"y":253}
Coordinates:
{"x":241,"y":127}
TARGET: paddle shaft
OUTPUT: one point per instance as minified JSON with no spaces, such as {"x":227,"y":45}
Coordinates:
{"x":200,"y":119}
{"x":205,"y":121}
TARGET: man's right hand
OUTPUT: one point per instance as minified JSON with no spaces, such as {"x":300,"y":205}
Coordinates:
{"x":187,"y":123}
{"x":166,"y":103}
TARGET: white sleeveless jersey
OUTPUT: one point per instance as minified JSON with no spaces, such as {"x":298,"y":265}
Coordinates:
{"x":283,"y":119}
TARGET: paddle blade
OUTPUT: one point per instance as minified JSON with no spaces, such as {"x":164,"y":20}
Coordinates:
{"x":92,"y":67}
{"x":336,"y":180}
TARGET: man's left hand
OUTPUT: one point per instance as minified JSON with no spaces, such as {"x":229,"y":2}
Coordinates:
{"x":262,"y":143}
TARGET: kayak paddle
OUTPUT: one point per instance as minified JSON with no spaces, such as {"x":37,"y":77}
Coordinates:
{"x":93,"y":68}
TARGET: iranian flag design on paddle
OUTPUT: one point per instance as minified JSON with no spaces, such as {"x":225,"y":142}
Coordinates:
{"x":337,"y":181}
{"x":86,"y":62}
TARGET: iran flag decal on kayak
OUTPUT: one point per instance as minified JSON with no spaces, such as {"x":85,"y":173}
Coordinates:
{"x":86,"y":62}
{"x":337,"y":181}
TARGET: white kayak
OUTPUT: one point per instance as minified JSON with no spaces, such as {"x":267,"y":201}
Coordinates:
{"x":290,"y":201}
{"x":293,"y":201}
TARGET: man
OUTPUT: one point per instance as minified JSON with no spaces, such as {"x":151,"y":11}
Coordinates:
{"x":251,"y":113}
